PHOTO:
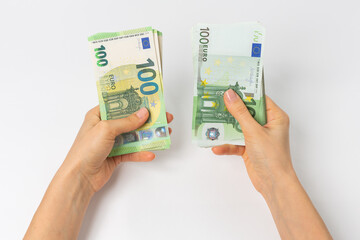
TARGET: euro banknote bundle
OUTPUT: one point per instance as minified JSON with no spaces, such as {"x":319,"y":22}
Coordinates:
{"x":226,"y":57}
{"x":128,"y":73}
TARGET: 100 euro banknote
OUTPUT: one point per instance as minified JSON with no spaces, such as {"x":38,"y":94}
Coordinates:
{"x":128,"y":75}
{"x":226,"y":57}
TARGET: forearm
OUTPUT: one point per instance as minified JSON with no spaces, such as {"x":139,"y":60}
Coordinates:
{"x":62,"y":209}
{"x":292,"y":210}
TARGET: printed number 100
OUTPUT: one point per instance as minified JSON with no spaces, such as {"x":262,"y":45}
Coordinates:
{"x":101,"y":54}
{"x":146,"y":75}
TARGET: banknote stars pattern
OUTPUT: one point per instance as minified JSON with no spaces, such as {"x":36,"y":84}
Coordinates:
{"x":153,"y":103}
{"x":204,"y":83}
{"x":214,"y":104}
{"x":217,"y":62}
{"x":248,"y":98}
{"x":208,"y":71}
{"x":230,"y":59}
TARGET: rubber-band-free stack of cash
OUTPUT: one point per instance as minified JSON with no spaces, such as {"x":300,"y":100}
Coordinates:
{"x":226,"y":56}
{"x":128,"y":72}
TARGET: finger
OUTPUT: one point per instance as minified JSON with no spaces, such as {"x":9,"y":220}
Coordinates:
{"x":119,"y":126}
{"x":238,"y":109}
{"x":169,"y":117}
{"x":93,"y":113}
{"x":92,"y":117}
{"x":134,"y":157}
{"x":170,"y":130}
{"x":274,"y":112}
{"x":229,"y":149}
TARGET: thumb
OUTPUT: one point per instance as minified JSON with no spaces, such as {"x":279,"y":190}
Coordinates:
{"x":132,"y":122}
{"x":275,"y":115}
{"x":240,"y":112}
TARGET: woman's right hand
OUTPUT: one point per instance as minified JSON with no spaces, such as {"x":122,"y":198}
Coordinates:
{"x":267,"y":159}
{"x":266,"y":152}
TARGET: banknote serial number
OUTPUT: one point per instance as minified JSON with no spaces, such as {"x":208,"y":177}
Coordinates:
{"x":204,"y":41}
{"x":101,"y":54}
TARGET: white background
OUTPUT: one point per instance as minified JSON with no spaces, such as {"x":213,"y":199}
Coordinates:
{"x":47,"y":86}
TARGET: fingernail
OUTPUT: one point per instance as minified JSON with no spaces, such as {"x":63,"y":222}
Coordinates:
{"x":142,"y":113}
{"x":231,"y":96}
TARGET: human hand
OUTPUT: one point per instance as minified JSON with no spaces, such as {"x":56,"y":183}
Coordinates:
{"x":96,"y":138}
{"x":266,"y":152}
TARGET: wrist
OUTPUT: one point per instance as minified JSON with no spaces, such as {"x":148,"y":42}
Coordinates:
{"x":279,"y":182}
{"x":63,"y":206}
{"x":70,"y":172}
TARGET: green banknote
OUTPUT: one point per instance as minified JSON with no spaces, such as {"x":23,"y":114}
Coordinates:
{"x":226,"y":57}
{"x":128,"y":72}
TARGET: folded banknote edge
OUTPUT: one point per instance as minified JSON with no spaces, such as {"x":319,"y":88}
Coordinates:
{"x":104,"y":35}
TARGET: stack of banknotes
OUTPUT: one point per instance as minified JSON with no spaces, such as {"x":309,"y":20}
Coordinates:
{"x":128,"y":73}
{"x":226,"y":57}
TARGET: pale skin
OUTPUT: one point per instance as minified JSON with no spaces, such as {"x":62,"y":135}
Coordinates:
{"x":266,"y":154}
